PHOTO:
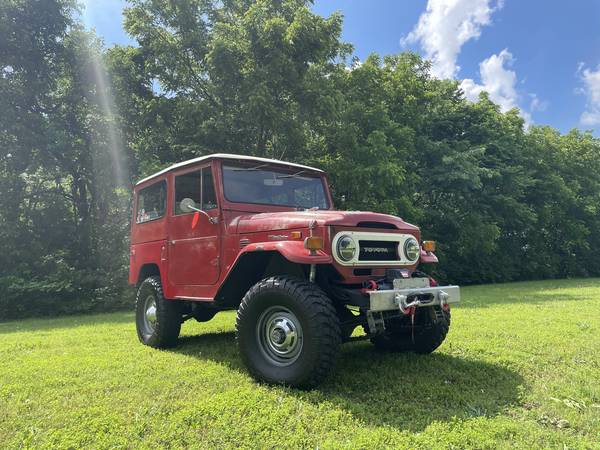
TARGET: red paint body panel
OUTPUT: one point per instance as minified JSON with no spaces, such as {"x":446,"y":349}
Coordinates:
{"x":428,"y":257}
{"x":195,"y":261}
{"x":192,"y":247}
{"x":300,"y":219}
{"x":147,"y":253}
{"x":293,"y":251}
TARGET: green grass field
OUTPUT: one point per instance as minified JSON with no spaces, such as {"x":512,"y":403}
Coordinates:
{"x":520,"y":368}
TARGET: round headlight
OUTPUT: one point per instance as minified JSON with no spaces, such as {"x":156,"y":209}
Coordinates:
{"x":346,"y":248}
{"x":412,"y":249}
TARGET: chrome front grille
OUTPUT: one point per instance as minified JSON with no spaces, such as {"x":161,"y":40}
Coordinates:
{"x":374,"y":249}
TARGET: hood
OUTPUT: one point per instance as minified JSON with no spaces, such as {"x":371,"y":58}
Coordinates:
{"x":253,"y":223}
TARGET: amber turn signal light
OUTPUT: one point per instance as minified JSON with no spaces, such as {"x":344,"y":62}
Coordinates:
{"x":313,"y":243}
{"x":429,"y":246}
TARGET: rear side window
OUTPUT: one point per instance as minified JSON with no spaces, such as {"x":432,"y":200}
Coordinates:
{"x":151,"y":202}
{"x":198,"y":186}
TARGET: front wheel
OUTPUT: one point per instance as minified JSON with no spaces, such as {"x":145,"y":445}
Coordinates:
{"x":158,"y":320}
{"x":288,"y":332}
{"x":431,"y":327}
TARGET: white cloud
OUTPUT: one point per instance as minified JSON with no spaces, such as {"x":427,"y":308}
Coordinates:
{"x":445,"y":26}
{"x":537,"y":104}
{"x":591,"y":88}
{"x":499,"y":81}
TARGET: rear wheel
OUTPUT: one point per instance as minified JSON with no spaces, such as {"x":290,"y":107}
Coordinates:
{"x":431,"y":327}
{"x":158,"y":320}
{"x":288,"y":332}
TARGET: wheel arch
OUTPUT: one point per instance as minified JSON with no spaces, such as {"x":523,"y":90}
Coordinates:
{"x":148,"y":270}
{"x":250,"y":268}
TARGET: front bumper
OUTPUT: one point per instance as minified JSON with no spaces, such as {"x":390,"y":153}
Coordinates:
{"x":394,"y":299}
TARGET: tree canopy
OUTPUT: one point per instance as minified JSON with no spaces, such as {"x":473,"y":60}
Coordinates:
{"x":80,"y":123}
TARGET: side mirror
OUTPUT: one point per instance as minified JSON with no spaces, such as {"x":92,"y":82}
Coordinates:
{"x":188,"y":205}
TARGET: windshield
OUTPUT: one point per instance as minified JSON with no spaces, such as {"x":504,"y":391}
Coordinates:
{"x":266,"y":185}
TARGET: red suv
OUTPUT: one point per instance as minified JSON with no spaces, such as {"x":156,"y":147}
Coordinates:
{"x":261,"y":236}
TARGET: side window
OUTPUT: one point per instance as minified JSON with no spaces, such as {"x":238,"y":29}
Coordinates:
{"x":198,"y":186}
{"x":187,"y":186}
{"x":151,"y":202}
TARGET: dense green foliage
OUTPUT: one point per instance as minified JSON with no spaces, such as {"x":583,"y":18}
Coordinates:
{"x":82,"y":382}
{"x":62,"y":217}
{"x":80,"y":123}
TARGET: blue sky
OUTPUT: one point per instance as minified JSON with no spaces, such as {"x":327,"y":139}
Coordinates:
{"x":541,"y":56}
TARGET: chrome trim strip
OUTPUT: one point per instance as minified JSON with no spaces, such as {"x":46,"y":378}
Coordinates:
{"x":198,"y":299}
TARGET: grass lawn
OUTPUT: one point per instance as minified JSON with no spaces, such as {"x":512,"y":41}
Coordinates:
{"x":520,"y":368}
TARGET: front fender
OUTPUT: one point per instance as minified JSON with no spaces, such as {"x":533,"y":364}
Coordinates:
{"x":428,"y":257}
{"x":248,"y":268}
{"x":293,"y":251}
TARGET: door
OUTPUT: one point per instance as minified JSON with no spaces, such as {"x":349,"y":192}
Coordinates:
{"x":194,"y":244}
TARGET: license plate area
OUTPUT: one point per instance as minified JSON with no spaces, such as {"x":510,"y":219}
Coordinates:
{"x":411,"y":283}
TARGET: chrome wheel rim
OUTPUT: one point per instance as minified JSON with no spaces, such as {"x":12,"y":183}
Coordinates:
{"x":149,"y":318}
{"x":279,"y":335}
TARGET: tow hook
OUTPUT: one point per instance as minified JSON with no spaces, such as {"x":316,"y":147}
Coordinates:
{"x":368,"y":286}
{"x":408,"y":309}
{"x":443,"y":296}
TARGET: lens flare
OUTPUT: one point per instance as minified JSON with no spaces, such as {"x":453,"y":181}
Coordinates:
{"x":107,"y":105}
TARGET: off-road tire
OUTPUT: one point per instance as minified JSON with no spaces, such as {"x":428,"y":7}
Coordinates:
{"x":168,"y":316}
{"x":432,"y":323}
{"x":320,"y":330}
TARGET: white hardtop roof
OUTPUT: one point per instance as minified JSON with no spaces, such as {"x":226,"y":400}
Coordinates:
{"x":227,"y":156}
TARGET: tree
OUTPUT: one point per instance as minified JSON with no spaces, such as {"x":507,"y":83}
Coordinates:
{"x":59,"y":209}
{"x":79,"y":123}
{"x":239,"y":76}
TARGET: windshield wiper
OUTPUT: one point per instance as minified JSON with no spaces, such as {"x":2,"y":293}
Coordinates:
{"x":294,"y":175}
{"x":245,"y":169}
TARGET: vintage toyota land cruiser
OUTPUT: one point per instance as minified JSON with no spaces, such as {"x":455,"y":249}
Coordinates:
{"x":224,"y":232}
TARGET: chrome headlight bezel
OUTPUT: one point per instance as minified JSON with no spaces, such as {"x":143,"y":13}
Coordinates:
{"x":340,"y":243}
{"x":412,"y":249}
